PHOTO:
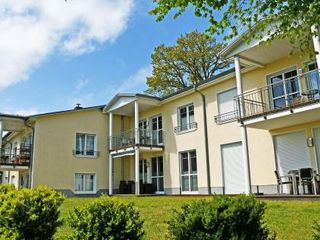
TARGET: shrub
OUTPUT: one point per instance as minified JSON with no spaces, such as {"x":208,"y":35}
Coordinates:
{"x":316,"y":231}
{"x":29,"y":214}
{"x":106,"y":218}
{"x":230,"y":218}
{"x":5,"y":188}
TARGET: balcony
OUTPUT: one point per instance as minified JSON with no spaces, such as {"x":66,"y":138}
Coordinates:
{"x":18,"y":158}
{"x":226,"y":117}
{"x":127,"y":139}
{"x":186,"y":128}
{"x":282,"y":97}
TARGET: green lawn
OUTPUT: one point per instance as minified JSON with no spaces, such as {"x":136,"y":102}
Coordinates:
{"x":289,"y":219}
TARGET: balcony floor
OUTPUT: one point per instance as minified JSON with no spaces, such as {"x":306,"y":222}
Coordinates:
{"x":285,"y":117}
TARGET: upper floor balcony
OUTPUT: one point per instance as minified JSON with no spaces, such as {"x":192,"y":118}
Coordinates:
{"x":18,"y":158}
{"x":287,"y":93}
{"x":128,"y":139}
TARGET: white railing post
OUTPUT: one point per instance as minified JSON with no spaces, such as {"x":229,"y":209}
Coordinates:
{"x":244,"y":135}
{"x":1,"y":133}
{"x":110,"y":156}
{"x":316,"y":43}
{"x":137,"y":141}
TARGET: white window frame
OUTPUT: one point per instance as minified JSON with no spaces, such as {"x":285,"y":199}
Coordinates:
{"x":189,"y":174}
{"x":94,"y":191}
{"x":158,"y":130}
{"x":95,"y":143}
{"x":144,"y":167}
{"x":219,"y":99}
{"x":285,"y":93}
{"x":188,"y":124}
{"x":157,"y":177}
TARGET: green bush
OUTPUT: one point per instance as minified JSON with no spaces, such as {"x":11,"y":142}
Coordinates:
{"x":29,"y":214}
{"x":232,"y":218}
{"x":106,"y":218}
{"x":316,"y":231}
{"x":5,"y":188}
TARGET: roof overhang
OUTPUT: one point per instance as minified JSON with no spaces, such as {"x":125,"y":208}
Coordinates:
{"x":123,"y":103}
{"x":12,"y":123}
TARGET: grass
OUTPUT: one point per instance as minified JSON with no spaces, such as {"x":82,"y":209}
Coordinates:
{"x":289,"y":219}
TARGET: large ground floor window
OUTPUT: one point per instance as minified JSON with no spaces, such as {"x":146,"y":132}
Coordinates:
{"x":85,"y":183}
{"x":189,"y":173}
{"x":157,"y":173}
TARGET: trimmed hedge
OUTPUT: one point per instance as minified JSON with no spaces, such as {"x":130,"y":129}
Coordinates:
{"x":29,"y":214}
{"x":106,"y":218}
{"x":232,"y":218}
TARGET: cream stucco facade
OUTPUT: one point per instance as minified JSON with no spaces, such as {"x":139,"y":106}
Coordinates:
{"x":72,"y":151}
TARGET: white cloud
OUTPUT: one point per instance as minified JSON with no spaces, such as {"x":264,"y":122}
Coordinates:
{"x":84,"y":100}
{"x":135,"y":82}
{"x":23,"y":112}
{"x":27,"y":112}
{"x":30,"y":30}
{"x":81,"y":83}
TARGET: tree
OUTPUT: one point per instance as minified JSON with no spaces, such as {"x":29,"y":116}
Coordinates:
{"x":194,"y":58}
{"x":277,"y":19}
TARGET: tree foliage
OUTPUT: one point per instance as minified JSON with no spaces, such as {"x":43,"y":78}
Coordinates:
{"x":277,"y":19}
{"x":194,"y":58}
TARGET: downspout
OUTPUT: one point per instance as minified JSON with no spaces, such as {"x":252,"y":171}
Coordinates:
{"x":205,"y":124}
{"x":31,"y":154}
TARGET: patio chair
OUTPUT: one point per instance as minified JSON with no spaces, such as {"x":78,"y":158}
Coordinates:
{"x":282,"y":180}
{"x":306,"y":179}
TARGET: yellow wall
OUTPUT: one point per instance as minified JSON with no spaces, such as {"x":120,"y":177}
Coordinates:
{"x":54,"y":164}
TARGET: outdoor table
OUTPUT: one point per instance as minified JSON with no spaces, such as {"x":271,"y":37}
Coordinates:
{"x":294,"y":174}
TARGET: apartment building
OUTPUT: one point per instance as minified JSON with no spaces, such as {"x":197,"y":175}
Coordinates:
{"x":226,"y":135}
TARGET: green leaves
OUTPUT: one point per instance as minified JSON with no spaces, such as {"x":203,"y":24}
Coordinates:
{"x":193,"y":59}
{"x":29,"y":214}
{"x":294,"y":18}
{"x":106,"y":218}
{"x":221,"y":218}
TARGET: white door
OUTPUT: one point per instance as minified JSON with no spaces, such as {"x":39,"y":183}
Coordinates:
{"x":292,"y":152}
{"x":316,"y":133}
{"x":233,"y":168}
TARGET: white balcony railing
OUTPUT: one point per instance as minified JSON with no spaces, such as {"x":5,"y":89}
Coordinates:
{"x":290,"y":93}
{"x":147,"y":137}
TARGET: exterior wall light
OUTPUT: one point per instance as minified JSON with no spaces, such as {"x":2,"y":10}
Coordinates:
{"x":310,"y":142}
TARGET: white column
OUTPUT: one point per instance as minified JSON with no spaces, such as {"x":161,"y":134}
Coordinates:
{"x":244,"y":135}
{"x":1,"y":133}
{"x":110,"y":156}
{"x":137,"y":141}
{"x":316,"y":44}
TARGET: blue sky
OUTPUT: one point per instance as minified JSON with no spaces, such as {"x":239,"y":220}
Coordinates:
{"x":88,"y":69}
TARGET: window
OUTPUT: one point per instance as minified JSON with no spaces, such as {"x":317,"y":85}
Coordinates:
{"x":313,"y":77}
{"x":186,"y":118}
{"x":284,"y":88}
{"x":157,"y":135}
{"x":85,"y":144}
{"x":85,"y":183}
{"x":189,"y":174}
{"x":225,"y":101}
{"x":226,"y":106}
{"x":157,"y":173}
{"x":143,"y":171}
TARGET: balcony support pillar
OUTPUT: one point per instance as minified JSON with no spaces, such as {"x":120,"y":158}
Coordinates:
{"x":244,"y":133}
{"x":137,"y":141}
{"x":316,"y":43}
{"x":110,"y":155}
{"x":1,"y":133}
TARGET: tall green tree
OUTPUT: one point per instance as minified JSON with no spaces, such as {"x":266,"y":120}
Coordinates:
{"x":194,"y":58}
{"x":281,"y":19}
